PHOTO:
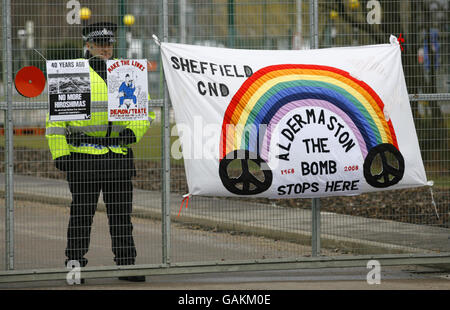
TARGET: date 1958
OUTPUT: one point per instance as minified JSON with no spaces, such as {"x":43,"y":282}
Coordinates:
{"x":288,"y":171}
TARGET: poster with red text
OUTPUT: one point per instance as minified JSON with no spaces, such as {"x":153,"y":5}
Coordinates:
{"x":127,"y":89}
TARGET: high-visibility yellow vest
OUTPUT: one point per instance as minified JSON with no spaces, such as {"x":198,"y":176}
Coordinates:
{"x":97,"y":126}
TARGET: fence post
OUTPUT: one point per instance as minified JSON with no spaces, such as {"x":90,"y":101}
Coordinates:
{"x":9,"y":147}
{"x":315,"y":207}
{"x":165,"y":153}
{"x":122,"y":48}
{"x":231,"y":26}
{"x":315,"y":233}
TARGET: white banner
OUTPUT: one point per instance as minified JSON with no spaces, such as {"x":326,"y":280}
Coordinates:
{"x":286,"y":124}
{"x":127,"y":89}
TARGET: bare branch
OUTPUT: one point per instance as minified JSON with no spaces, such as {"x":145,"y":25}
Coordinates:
{"x":372,"y":31}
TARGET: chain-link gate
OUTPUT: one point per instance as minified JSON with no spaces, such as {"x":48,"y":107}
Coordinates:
{"x":214,"y":234}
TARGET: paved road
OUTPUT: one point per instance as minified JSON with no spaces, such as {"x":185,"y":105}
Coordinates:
{"x":346,"y":232}
{"x":197,"y":235}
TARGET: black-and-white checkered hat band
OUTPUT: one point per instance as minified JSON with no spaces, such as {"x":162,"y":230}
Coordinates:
{"x":100,"y":35}
{"x":100,"y":32}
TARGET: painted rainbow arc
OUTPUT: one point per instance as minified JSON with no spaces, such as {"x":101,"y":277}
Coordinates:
{"x":273,"y":91}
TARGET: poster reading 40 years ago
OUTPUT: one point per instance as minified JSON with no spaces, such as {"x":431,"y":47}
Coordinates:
{"x":69,"y":90}
{"x":127,"y":89}
{"x":293,"y":124}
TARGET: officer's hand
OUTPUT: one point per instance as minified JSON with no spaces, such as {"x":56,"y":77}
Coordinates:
{"x":76,"y":138}
{"x":127,"y":136}
{"x":63,"y":163}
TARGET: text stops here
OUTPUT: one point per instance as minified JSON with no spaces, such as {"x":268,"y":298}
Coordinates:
{"x":317,"y":152}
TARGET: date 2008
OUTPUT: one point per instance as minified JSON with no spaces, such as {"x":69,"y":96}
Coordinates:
{"x":346,"y":168}
{"x":351,"y":168}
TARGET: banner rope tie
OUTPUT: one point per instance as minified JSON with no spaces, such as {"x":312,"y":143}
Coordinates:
{"x":185,"y":198}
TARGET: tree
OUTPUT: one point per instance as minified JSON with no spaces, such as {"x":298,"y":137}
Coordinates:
{"x":415,"y":21}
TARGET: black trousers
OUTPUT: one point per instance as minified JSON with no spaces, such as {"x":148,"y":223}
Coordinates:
{"x":117,"y":190}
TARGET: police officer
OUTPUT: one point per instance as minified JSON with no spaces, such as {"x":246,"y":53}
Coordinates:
{"x":97,"y":157}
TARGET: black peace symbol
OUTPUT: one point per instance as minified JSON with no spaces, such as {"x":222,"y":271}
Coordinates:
{"x":390,"y":173}
{"x":246,"y":183}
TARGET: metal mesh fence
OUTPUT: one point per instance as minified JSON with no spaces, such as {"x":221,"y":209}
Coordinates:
{"x":49,"y":30}
{"x":388,"y":222}
{"x":214,"y":229}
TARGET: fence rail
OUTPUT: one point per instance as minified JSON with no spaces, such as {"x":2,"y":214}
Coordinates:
{"x":216,"y":234}
{"x":155,"y":103}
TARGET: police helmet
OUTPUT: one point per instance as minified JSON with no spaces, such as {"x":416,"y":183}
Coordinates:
{"x":103,"y":32}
